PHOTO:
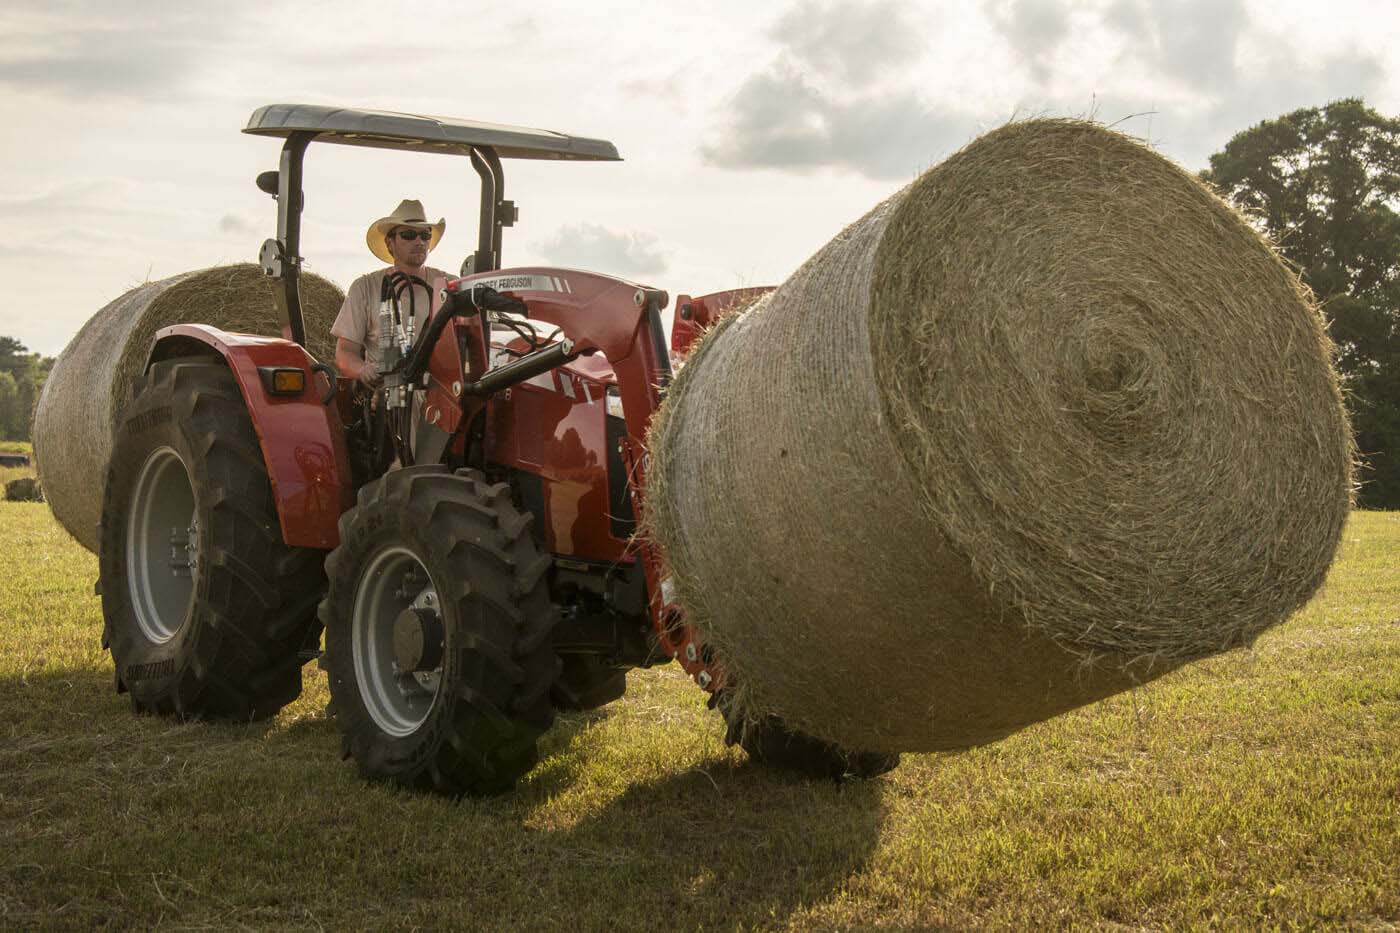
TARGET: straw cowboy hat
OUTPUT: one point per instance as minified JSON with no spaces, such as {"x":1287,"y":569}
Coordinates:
{"x":407,"y":214}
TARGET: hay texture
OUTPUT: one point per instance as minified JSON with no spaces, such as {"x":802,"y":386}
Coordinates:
{"x":96,"y":375}
{"x":1044,"y":425}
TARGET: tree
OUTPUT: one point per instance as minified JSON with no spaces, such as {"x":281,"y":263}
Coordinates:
{"x":11,"y":350}
{"x":11,"y":416}
{"x":22,"y":376}
{"x":1325,"y":184}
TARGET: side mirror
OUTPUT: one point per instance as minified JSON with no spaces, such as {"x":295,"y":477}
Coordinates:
{"x":267,"y":182}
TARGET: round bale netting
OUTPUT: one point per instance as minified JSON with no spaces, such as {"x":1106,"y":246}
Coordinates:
{"x":1046,"y":424}
{"x":96,"y":375}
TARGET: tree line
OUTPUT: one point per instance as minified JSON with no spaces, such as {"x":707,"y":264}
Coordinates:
{"x":22,"y":376}
{"x":1323,"y":182}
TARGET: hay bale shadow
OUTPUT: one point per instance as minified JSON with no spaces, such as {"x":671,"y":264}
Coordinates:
{"x":749,"y":847}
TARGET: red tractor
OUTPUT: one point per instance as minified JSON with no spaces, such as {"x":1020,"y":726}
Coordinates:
{"x":465,"y":533}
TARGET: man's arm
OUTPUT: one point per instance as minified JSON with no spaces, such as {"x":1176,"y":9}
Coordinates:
{"x":350,"y":360}
{"x":351,"y":328}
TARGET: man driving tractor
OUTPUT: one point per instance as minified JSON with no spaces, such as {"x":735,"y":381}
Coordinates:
{"x":403,"y":239}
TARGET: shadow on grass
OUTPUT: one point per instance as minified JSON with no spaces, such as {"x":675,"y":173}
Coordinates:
{"x":612,"y":830}
{"x":46,"y":703}
{"x":687,"y":841}
{"x":41,"y":702}
{"x":729,"y":845}
{"x":722,"y":842}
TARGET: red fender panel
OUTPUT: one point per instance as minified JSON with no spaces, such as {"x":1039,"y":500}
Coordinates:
{"x":303,"y":441}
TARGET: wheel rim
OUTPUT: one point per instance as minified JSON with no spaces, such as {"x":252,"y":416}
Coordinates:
{"x":162,"y":546}
{"x":398,"y":701}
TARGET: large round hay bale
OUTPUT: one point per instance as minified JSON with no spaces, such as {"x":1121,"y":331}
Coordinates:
{"x":95,"y":376}
{"x":1048,"y":423}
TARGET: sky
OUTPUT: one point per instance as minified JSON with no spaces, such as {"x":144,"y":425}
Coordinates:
{"x":751,"y":132}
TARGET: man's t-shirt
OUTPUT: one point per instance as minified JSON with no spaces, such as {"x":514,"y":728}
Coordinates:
{"x":358,"y":320}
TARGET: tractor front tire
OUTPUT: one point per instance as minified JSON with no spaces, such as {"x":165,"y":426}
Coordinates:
{"x":206,"y":611}
{"x":438,"y":633}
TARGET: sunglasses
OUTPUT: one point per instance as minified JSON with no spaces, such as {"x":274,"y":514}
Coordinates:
{"x":425,"y":235}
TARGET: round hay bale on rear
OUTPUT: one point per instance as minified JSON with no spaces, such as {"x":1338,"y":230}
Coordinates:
{"x":1046,"y":424}
{"x":96,"y":375}
{"x":24,"y":489}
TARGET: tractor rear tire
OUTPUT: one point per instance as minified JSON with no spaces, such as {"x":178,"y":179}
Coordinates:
{"x":438,"y":633}
{"x":770,"y":741}
{"x":205,"y":610}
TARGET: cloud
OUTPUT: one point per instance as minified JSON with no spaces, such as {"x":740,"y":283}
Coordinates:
{"x":1203,"y":69}
{"x":83,"y":50}
{"x":76,"y":197}
{"x":853,"y":41}
{"x":1280,"y":84}
{"x":827,"y":100}
{"x":1237,"y":72}
{"x":600,"y":249}
{"x":236,"y":223}
{"x":1194,"y":42}
{"x":101,"y":63}
{"x":670,"y":88}
{"x":1036,"y":30}
{"x":776,"y":120}
{"x":1231,"y":65}
{"x":781,"y":121}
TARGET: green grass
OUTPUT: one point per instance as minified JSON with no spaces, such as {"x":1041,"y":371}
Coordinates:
{"x":12,"y":473}
{"x":1259,"y":789}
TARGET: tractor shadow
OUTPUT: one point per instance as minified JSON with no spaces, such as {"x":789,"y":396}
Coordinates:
{"x":43,"y":702}
{"x":662,"y":834}
{"x":707,"y":839}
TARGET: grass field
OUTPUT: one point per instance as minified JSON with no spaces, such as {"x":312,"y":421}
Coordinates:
{"x":1259,"y":789}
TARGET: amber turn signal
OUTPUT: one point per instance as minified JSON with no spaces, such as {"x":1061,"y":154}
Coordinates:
{"x":280,"y":381}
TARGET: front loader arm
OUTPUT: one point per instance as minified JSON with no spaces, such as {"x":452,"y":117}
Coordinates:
{"x":621,"y":320}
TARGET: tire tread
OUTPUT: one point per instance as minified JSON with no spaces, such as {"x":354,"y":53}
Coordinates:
{"x":482,"y":736}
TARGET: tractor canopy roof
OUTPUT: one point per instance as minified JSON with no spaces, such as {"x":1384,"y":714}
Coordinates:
{"x":387,"y":130}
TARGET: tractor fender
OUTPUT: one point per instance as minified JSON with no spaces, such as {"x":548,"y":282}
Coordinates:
{"x":302,"y":439}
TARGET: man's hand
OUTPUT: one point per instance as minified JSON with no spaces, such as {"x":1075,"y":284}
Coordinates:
{"x":350,"y":360}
